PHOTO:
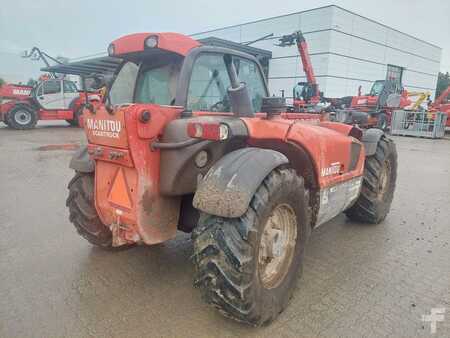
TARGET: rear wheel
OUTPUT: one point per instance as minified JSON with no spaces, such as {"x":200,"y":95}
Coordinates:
{"x":82,"y":212}
{"x":247,"y":267}
{"x":378,"y":186}
{"x":21,"y":117}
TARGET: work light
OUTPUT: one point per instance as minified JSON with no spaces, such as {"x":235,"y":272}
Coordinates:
{"x":151,"y":42}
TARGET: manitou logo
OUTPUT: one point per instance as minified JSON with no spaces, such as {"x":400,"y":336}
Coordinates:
{"x":105,"y":128}
{"x":25,"y":92}
{"x":333,"y":169}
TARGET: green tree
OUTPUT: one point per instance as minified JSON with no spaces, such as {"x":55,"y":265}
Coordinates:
{"x":2,"y":82}
{"x":442,"y":83}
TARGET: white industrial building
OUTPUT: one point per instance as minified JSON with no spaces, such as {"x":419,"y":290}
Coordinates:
{"x":347,"y":50}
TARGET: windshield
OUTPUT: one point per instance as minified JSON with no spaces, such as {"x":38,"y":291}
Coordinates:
{"x":156,"y":83}
{"x":299,"y":90}
{"x":377,"y":88}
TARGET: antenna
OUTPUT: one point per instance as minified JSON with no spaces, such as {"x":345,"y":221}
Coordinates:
{"x":259,"y":39}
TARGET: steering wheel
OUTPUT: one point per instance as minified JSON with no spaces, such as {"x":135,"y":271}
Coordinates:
{"x":215,"y":106}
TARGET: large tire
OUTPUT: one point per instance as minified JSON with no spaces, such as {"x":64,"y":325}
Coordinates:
{"x":75,"y":122}
{"x":378,"y":186}
{"x":230,"y":253}
{"x":82,"y":212}
{"x":21,"y":117}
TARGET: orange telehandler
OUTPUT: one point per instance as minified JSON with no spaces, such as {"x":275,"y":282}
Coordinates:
{"x":188,"y":138}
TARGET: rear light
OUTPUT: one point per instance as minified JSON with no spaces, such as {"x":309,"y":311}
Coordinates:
{"x":208,"y":131}
{"x":145,"y":116}
{"x":151,"y":42}
{"x":111,"y":50}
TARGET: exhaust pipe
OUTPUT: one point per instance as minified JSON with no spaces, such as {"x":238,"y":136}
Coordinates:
{"x":241,"y":103}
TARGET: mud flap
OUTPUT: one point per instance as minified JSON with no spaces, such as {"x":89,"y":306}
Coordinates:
{"x":228,"y":187}
{"x":370,"y":139}
{"x":81,"y":161}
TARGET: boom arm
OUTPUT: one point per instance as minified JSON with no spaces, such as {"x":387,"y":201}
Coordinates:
{"x":37,"y":54}
{"x":299,"y":39}
{"x":422,"y":97}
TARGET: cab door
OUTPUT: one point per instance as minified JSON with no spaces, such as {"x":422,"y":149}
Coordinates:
{"x":70,"y":93}
{"x":207,"y":82}
{"x":50,"y":95}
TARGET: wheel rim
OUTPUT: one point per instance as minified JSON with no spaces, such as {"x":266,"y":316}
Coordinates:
{"x":277,"y":246}
{"x":384,"y":183}
{"x":22,"y":117}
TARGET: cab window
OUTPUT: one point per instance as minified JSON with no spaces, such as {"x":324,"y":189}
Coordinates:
{"x":69,"y":87}
{"x":208,"y":84}
{"x":248,"y":72}
{"x":377,"y":88}
{"x":52,"y":87}
{"x":158,"y":84}
{"x":123,"y":86}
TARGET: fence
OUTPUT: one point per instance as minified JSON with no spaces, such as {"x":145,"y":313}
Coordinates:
{"x":418,"y":124}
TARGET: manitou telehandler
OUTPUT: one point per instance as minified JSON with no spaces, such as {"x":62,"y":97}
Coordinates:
{"x":53,"y":97}
{"x":305,"y":94}
{"x":50,"y":99}
{"x":188,"y":138}
{"x":374,"y":110}
{"x":442,"y":104}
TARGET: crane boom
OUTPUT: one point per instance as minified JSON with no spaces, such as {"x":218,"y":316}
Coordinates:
{"x":306,"y":60}
{"x":298,"y":39}
{"x":422,"y":96}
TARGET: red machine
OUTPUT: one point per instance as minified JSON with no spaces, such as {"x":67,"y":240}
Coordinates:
{"x":51,"y":99}
{"x":15,"y":91}
{"x":181,"y":142}
{"x":305,"y":94}
{"x":442,"y":104}
{"x":370,"y":102}
{"x":374,"y":110}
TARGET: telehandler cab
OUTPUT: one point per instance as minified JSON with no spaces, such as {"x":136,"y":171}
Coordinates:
{"x":188,"y":138}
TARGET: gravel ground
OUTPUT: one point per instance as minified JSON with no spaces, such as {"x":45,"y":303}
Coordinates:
{"x":358,"y":280}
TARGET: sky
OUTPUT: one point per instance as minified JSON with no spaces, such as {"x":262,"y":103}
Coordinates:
{"x":84,"y":27}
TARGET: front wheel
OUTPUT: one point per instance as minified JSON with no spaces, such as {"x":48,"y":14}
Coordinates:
{"x":378,"y":186}
{"x":82,"y":212}
{"x":247,"y":267}
{"x":21,"y":117}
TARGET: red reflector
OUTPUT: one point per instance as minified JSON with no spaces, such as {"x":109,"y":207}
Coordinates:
{"x":207,"y":131}
{"x":119,"y":194}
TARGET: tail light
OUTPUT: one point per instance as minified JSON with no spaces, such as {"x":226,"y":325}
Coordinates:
{"x":208,"y":131}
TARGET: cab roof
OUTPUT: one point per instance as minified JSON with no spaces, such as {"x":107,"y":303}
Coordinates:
{"x":170,"y":42}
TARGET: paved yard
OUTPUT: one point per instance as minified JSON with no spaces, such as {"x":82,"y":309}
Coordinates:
{"x":358,"y":280}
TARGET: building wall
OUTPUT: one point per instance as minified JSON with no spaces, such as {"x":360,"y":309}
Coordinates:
{"x":347,"y":50}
